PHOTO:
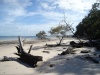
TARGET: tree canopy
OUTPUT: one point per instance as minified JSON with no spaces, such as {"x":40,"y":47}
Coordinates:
{"x":59,"y":31}
{"x":41,"y":34}
{"x":90,"y":25}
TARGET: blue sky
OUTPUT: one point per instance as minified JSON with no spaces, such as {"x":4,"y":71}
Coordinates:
{"x":27,"y":17}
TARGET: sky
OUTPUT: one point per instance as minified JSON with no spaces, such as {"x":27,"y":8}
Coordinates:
{"x":28,"y":17}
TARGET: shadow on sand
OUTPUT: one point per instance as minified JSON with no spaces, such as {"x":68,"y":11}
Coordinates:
{"x":69,"y":64}
{"x":5,"y":59}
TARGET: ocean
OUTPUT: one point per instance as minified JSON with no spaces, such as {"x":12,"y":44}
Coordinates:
{"x":6,"y":38}
{"x":16,"y":37}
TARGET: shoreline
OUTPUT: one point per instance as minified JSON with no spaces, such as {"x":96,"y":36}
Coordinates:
{"x":32,"y":41}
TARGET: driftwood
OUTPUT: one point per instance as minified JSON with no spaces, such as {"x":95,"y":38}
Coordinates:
{"x":26,"y":57}
{"x":85,"y":51}
{"x":51,"y":45}
{"x":45,"y":51}
{"x":30,"y":49}
{"x":81,"y":44}
{"x":68,"y":51}
{"x":93,"y":43}
{"x":55,"y":45}
{"x":76,"y":45}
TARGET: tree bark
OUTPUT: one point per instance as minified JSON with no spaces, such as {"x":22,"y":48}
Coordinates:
{"x":61,"y":40}
{"x":26,"y":57}
{"x":30,"y":49}
{"x":73,"y":32}
{"x":20,"y":44}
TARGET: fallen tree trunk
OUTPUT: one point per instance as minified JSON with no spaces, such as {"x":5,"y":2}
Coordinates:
{"x":76,"y":45}
{"x":27,"y":57}
{"x":55,"y":45}
{"x":60,"y":41}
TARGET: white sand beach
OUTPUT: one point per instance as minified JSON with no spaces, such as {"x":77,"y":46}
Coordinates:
{"x":70,"y":64}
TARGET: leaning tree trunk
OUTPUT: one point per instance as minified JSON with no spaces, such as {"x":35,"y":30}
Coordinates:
{"x":27,"y":57}
{"x":73,"y":32}
{"x":60,"y":41}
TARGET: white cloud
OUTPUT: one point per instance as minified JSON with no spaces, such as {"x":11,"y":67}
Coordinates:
{"x":47,"y":6}
{"x":51,"y":10}
{"x":48,"y":15}
{"x":17,"y":12}
{"x":15,"y":8}
{"x":51,"y":15}
{"x":75,"y":5}
{"x":18,"y":3}
{"x":24,"y":30}
{"x":9,"y":20}
{"x":76,"y":10}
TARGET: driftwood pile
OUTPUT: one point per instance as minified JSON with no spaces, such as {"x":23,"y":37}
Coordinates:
{"x":27,"y":57}
{"x":32,"y":60}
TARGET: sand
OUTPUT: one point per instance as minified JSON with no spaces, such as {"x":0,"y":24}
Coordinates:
{"x":52,"y":64}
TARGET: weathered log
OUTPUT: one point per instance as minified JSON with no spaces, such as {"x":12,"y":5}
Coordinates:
{"x":18,"y":50}
{"x":30,"y":49}
{"x":85,"y":51}
{"x":68,"y":51}
{"x":30,"y":59}
{"x":45,"y":51}
{"x":76,"y":45}
{"x":20,"y":44}
{"x":26,"y":57}
{"x":55,"y":45}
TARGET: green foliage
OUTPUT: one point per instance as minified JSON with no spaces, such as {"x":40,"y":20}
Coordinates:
{"x":90,"y":25}
{"x":41,"y":34}
{"x":59,"y":31}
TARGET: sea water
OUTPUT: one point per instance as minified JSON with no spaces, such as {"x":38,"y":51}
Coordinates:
{"x":16,"y":37}
{"x":6,"y":38}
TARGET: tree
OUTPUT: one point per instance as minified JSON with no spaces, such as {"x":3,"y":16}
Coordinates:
{"x":62,"y":30}
{"x":59,"y":31}
{"x":41,"y":34}
{"x":90,"y":25}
